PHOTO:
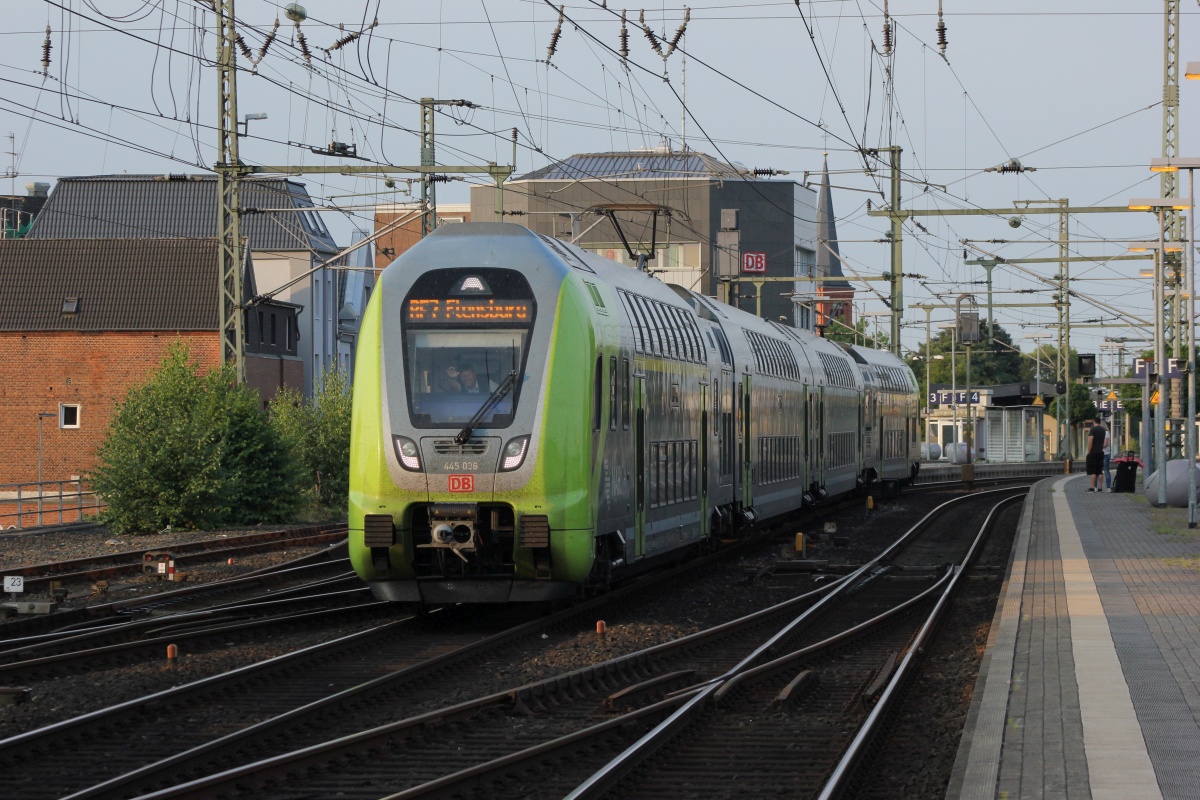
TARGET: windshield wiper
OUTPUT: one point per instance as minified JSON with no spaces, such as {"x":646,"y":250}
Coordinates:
{"x":493,"y":399}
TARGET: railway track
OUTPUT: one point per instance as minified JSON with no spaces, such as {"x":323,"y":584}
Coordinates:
{"x":38,"y":577}
{"x":555,"y":721}
{"x":269,"y":582}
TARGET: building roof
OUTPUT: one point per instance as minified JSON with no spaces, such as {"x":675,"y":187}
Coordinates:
{"x":829,"y":259}
{"x":118,"y":284}
{"x":658,"y":163}
{"x":165,"y":206}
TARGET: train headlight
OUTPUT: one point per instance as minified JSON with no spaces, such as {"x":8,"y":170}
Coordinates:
{"x":408,"y":453}
{"x":514,"y":453}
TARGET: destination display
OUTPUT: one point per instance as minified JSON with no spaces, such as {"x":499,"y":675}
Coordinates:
{"x":467,"y":310}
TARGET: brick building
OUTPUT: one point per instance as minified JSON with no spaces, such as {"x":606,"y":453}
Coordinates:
{"x":82,"y":320}
{"x":285,"y":236}
{"x":407,"y":231}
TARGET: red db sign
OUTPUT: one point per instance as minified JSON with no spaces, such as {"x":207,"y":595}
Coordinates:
{"x":754,"y":262}
{"x":461,"y":483}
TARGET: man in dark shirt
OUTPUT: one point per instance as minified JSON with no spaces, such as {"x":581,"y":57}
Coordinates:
{"x":1095,"y":455}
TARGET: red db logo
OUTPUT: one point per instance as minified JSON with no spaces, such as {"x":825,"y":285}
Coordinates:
{"x":461,"y":483}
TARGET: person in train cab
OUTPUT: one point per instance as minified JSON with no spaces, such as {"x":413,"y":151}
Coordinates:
{"x":469,"y":381}
{"x":1095,"y":455}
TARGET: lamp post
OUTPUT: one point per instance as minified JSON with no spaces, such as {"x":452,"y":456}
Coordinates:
{"x":1190,"y":164}
{"x":1160,"y":205}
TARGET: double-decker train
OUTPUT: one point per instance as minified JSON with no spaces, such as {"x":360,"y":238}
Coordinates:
{"x":532,"y":421}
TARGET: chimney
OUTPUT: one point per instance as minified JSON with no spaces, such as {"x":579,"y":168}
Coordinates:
{"x":38,"y":189}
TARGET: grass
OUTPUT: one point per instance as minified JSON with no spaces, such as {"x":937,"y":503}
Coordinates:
{"x":1187,"y":562}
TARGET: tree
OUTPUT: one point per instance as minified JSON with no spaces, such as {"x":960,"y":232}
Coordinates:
{"x":318,"y":434}
{"x":192,"y":450}
{"x":991,"y":364}
{"x":835,"y":331}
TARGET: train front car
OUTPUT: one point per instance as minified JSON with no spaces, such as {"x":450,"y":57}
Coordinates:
{"x":459,"y":469}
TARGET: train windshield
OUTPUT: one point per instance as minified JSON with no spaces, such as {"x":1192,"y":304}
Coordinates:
{"x":452,"y":373}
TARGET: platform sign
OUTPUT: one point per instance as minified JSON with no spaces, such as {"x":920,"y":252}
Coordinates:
{"x":933,"y":398}
{"x":1175,"y":367}
{"x":14,"y":583}
{"x":754,"y":263}
{"x":1110,"y":405}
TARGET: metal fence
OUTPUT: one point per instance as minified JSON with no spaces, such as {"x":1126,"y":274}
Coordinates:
{"x":29,"y":505}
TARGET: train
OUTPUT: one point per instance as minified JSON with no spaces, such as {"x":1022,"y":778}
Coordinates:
{"x":532,"y":421}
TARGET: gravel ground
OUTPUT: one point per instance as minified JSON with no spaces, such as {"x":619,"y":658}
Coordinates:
{"x":721,"y":592}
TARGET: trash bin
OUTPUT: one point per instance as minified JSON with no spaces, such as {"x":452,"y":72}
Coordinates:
{"x":1126,"y":478}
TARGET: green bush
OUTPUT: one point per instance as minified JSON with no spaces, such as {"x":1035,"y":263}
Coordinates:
{"x":318,"y":434}
{"x":193,"y":450}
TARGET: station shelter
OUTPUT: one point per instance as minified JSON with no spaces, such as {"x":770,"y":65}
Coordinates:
{"x":1008,"y":426}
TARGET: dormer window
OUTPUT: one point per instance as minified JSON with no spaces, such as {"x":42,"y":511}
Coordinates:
{"x":70,"y":305}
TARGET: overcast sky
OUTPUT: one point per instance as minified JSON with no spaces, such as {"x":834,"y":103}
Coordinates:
{"x":1073,"y":88}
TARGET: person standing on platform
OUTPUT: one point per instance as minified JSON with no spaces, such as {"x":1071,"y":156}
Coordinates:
{"x":1095,"y":454}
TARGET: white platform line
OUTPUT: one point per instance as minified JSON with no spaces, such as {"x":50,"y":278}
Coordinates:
{"x":1119,"y":766}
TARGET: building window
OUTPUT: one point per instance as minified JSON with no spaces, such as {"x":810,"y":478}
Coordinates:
{"x":272,"y":328}
{"x":287,"y":334}
{"x":68,"y":415}
{"x":260,"y":327}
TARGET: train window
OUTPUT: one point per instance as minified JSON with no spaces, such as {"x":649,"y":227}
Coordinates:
{"x":685,"y":329}
{"x":613,"y":412}
{"x":598,"y":394}
{"x":653,"y":342}
{"x":450,"y":373}
{"x":625,"y":394}
{"x":666,"y":339}
{"x":634,"y":326}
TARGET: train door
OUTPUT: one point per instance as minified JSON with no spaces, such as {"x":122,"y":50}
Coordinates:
{"x":704,"y":438}
{"x":639,"y":443}
{"x":747,"y":448}
{"x":735,"y":443}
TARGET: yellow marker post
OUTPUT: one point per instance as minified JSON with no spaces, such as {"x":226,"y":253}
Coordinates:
{"x":800,"y":544}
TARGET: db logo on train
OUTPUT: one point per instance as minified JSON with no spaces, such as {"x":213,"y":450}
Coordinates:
{"x":461,"y":483}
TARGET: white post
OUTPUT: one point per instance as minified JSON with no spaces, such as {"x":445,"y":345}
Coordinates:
{"x":1190,"y":431}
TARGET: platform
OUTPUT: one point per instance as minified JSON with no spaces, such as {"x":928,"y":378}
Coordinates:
{"x":938,"y":471}
{"x":1090,"y":686}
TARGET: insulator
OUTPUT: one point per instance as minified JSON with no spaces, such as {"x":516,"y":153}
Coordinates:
{"x":649,"y":34}
{"x":46,"y":46}
{"x":514,"y":135}
{"x":241,"y":43}
{"x":300,"y":40}
{"x":554,"y":36}
{"x":887,"y":30}
{"x":262,"y":51}
{"x":624,"y":38}
{"x":941,"y":30}
{"x":687,"y":15}
{"x":342,"y":42}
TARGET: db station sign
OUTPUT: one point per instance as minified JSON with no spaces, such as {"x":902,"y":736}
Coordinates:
{"x":754,"y":263}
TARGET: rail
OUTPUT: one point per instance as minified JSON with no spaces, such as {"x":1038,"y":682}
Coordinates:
{"x":37,"y":504}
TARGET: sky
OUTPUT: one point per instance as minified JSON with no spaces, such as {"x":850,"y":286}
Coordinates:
{"x":1072,"y":88}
